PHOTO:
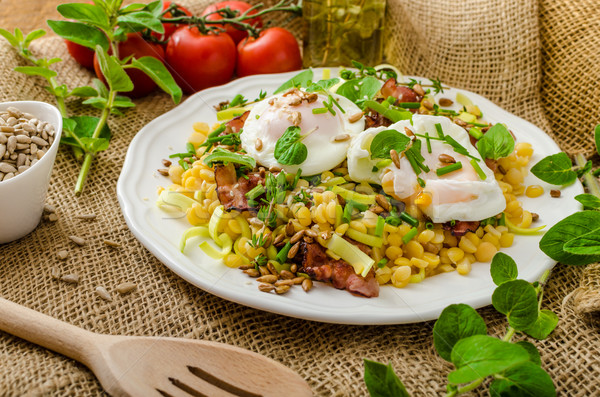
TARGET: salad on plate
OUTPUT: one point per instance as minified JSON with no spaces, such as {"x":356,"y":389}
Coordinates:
{"x":360,"y":181}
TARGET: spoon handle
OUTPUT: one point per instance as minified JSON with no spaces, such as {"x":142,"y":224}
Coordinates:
{"x":45,"y":331}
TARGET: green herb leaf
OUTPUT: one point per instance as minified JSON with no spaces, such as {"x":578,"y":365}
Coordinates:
{"x":359,"y":90}
{"x":588,"y":200}
{"x":300,"y":80}
{"x":516,"y":299}
{"x":83,"y":12}
{"x":588,"y":244}
{"x":456,"y":322}
{"x":123,"y":102}
{"x":222,"y":155}
{"x":69,"y":125}
{"x":543,"y":325}
{"x":112,"y":70}
{"x":160,"y":75}
{"x":387,"y":140}
{"x":289,"y":150}
{"x":534,"y":354}
{"x":135,"y":7}
{"x":524,"y":380}
{"x":572,"y":227}
{"x":497,"y":142}
{"x":479,"y":356}
{"x":94,"y":145}
{"x":36,"y":71}
{"x":503,"y":268}
{"x":97,"y":102}
{"x":80,"y":33}
{"x":322,"y":85}
{"x":83,"y":127}
{"x":556,"y":169}
{"x":381,"y":381}
{"x":10,"y":37}
{"x":84,"y":92}
{"x":140,"y":20}
{"x":33,"y":35}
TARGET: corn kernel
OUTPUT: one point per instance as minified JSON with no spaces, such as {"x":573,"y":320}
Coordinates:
{"x":414,"y":250}
{"x":370,"y":219}
{"x":446,"y":268}
{"x":485,"y":251}
{"x":490,"y":238}
{"x":358,"y":226}
{"x":513,"y":176}
{"x":432,"y":259}
{"x":197,"y":139}
{"x":506,"y":240}
{"x":439,"y":237}
{"x":524,"y":149}
{"x":234,"y":226}
{"x":402,"y":273}
{"x":325,"y":176}
{"x":201,"y":127}
{"x":330,"y":212}
{"x":393,"y":252}
{"x":328,"y":196}
{"x":450,"y":240}
{"x":319,"y":213}
{"x":491,"y":230}
{"x":303,"y":216}
{"x":463,"y":267}
{"x":455,"y":254}
{"x":467,"y":245}
{"x":341,"y":229}
{"x":420,"y":263}
{"x":526,"y":220}
{"x":233,"y":260}
{"x":425,"y":236}
{"x":175,"y":173}
{"x":383,"y":275}
{"x":534,"y":191}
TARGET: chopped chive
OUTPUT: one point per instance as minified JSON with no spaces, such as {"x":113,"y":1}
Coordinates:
{"x":413,"y":161}
{"x":475,"y":133}
{"x":409,"y":219}
{"x":374,"y":169}
{"x":181,"y":155}
{"x":428,"y":141}
{"x":433,"y":138}
{"x":329,"y":108}
{"x":458,"y":148}
{"x":438,"y":128}
{"x":190,"y":148}
{"x":421,"y":182}
{"x":478,"y":170}
{"x":282,"y":254}
{"x":358,"y":206}
{"x":335,"y":102}
{"x":410,"y":105}
{"x":347,"y":215}
{"x":449,"y":168}
{"x":255,"y":192}
{"x":596,"y":173}
{"x":452,"y":222}
{"x":410,"y":235}
{"x":429,"y":226}
{"x":479,"y":124}
{"x":379,"y":226}
{"x":502,"y":220}
{"x":319,"y":110}
{"x":381,"y":264}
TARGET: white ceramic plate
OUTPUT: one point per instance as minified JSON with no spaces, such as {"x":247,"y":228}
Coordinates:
{"x":160,"y":231}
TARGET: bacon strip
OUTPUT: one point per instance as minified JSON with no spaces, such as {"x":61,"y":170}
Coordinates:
{"x":232,"y":190}
{"x":461,"y":228}
{"x":236,"y":123}
{"x":313,"y":261}
{"x":403,"y":93}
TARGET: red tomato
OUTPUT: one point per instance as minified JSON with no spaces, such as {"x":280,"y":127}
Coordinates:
{"x":83,"y":55}
{"x":241,"y":6}
{"x":198,"y":60}
{"x":274,"y":51}
{"x":170,"y":28}
{"x":138,"y":47}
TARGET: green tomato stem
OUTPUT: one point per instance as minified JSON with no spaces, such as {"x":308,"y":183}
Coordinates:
{"x":467,"y":388}
{"x":588,"y":178}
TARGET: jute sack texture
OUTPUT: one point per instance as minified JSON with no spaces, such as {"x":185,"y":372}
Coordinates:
{"x":504,"y":37}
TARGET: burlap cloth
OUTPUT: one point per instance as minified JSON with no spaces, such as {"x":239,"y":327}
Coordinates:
{"x":491,"y":47}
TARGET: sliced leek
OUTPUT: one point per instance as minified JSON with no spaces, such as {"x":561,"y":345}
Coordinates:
{"x":198,"y":231}
{"x":224,"y":241}
{"x":360,"y":261}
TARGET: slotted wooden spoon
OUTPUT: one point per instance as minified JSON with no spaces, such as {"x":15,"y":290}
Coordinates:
{"x":155,"y":366}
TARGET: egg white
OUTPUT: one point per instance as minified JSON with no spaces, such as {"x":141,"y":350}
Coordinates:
{"x":460,"y":195}
{"x":269,"y":119}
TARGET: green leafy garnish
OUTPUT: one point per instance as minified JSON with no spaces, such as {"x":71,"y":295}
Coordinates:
{"x":289,"y":149}
{"x":381,"y":381}
{"x":225,"y":156}
{"x":556,"y":169}
{"x":360,"y":90}
{"x":589,"y":201}
{"x":503,"y":268}
{"x":456,"y":322}
{"x":388,"y":140}
{"x":517,"y":299}
{"x":497,"y":142}
{"x":302,"y":79}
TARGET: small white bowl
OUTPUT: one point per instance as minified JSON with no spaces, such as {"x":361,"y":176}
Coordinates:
{"x":22,"y":197}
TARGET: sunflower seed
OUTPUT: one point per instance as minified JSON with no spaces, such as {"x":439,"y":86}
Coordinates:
{"x":166,"y":163}
{"x":355,"y":117}
{"x":293,"y":251}
{"x":49,"y":208}
{"x":395,"y":158}
{"x":52,"y":217}
{"x":269,"y":278}
{"x":103,"y":293}
{"x":77,"y":240}
{"x":125,"y":288}
{"x":71,"y":278}
{"x":297,"y":236}
{"x":282,"y":289}
{"x":86,"y":216}
{"x":446,"y":158}
{"x":62,"y":254}
{"x":258,"y":144}
{"x":445,"y":102}
{"x":284,"y":282}
{"x":264,"y":287}
{"x":163,"y":171}
{"x":111,"y":243}
{"x":418,"y":89}
{"x":554,"y":193}
{"x":307,"y":284}
{"x":286,"y":275}
{"x":341,"y":138}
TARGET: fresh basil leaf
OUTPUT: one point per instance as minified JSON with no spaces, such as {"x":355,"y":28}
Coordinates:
{"x":572,"y":227}
{"x":381,"y":381}
{"x":140,"y":20}
{"x":10,"y":37}
{"x":516,"y":299}
{"x":503,"y":268}
{"x":543,"y":325}
{"x":69,"y":124}
{"x":36,"y":71}
{"x":479,"y":356}
{"x":95,"y":145}
{"x":33,"y":35}
{"x":154,"y":7}
{"x":123,"y":102}
{"x":523,"y":380}
{"x":83,"y":127}
{"x":597,"y":138}
{"x":80,"y":33}
{"x":556,"y":169}
{"x":113,"y":72}
{"x":84,"y":92}
{"x":84,"y":12}
{"x":322,"y":85}
{"x":534,"y":354}
{"x":497,"y":142}
{"x":456,"y":322}
{"x":300,"y":80}
{"x":97,"y":102}
{"x":358,"y":90}
{"x":289,"y":150}
{"x":157,"y":71}
{"x":225,"y":156}
{"x":100,"y":87}
{"x":133,"y":7}
{"x":588,"y":244}
{"x":387,"y":140}
{"x":588,"y":200}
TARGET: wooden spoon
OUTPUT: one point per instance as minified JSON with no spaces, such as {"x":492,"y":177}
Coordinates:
{"x":155,"y":366}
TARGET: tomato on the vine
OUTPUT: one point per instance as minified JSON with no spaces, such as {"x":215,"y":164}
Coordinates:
{"x":83,"y":55}
{"x":170,"y":28}
{"x":236,"y":34}
{"x":199,"y":60}
{"x":274,"y":51}
{"x":138,"y":47}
